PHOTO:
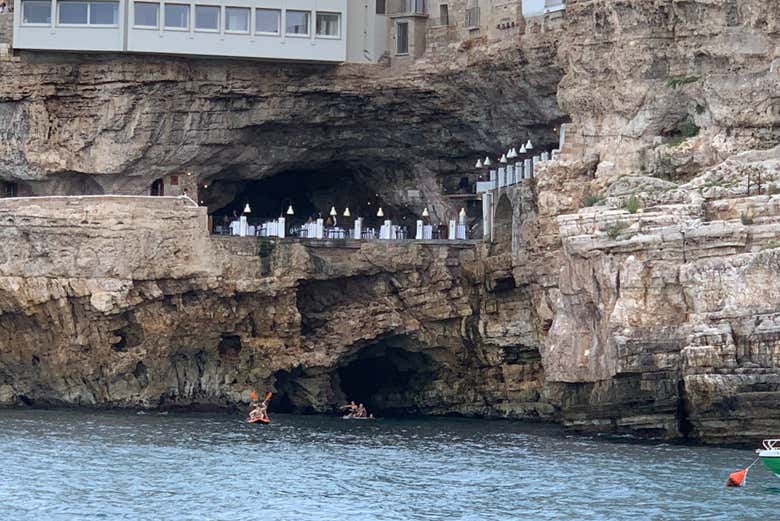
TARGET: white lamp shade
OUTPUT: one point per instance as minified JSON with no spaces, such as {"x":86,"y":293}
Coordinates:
{"x":425,"y":212}
{"x":247,"y":209}
{"x":380,"y":213}
{"x":479,"y":164}
{"x":290,"y":210}
{"x":333,"y":211}
{"x":346,"y":212}
{"x":522,"y":149}
{"x":487,"y":162}
{"x":503,"y":159}
{"x":529,"y":146}
{"x":462,"y":212}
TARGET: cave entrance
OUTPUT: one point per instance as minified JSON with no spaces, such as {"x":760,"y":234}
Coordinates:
{"x":388,"y":379}
{"x":308,"y":193}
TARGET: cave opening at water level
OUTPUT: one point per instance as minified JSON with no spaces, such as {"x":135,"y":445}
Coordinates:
{"x":389,"y":380}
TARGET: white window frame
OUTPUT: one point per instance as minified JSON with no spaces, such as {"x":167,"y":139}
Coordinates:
{"x":148,"y":27}
{"x":327,"y":36}
{"x":278,"y":23}
{"x":195,"y":27}
{"x":35,"y":24}
{"x":248,"y":20}
{"x":179,"y":29}
{"x":297,"y":35}
{"x":89,"y":14}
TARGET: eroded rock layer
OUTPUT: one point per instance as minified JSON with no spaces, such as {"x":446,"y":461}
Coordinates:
{"x":631,"y":286}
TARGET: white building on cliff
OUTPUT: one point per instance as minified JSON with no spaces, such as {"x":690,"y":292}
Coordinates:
{"x":324,"y":31}
{"x":290,"y":30}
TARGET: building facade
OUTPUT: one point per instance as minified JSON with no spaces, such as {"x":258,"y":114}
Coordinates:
{"x":289,"y":30}
{"x":325,"y":31}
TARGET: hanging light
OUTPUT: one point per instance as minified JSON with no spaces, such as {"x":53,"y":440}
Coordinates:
{"x":479,"y":164}
{"x":522,"y":149}
{"x":247,"y":209}
{"x":462,"y":212}
{"x":380,"y":213}
{"x":529,"y":146}
{"x":511,"y":154}
{"x":503,"y":159}
{"x":290,"y":210}
{"x":487,"y":161}
{"x":346,"y":212}
{"x":425,"y":212}
{"x":333,"y":211}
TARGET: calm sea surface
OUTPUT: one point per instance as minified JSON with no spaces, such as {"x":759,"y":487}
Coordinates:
{"x":102,"y":465}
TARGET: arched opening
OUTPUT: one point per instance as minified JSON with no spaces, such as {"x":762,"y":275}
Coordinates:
{"x":157,"y":189}
{"x":502,"y":226}
{"x":389,"y":379}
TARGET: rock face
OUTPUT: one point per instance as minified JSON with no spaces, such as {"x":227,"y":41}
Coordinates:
{"x":101,"y":305}
{"x":631,"y":287}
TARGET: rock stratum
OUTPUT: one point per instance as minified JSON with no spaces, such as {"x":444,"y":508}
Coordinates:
{"x":632,"y":287}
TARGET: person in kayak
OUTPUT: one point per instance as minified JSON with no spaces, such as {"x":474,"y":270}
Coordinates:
{"x":361,"y":411}
{"x":351,"y":408}
{"x":259,"y":410}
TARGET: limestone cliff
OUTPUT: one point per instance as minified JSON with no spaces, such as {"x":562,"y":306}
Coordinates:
{"x":631,"y":287}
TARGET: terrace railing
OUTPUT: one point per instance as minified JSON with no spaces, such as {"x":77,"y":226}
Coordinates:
{"x":396,"y":7}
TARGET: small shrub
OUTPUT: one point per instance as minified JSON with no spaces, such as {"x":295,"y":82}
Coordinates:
{"x":679,"y":81}
{"x":615,"y":230}
{"x":592,"y":200}
{"x":633,"y":204}
{"x":700,"y":108}
{"x":746,"y":219}
{"x":265,"y":247}
{"x":689,"y":129}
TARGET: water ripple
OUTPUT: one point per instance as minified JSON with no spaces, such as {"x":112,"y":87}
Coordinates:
{"x":71,"y":465}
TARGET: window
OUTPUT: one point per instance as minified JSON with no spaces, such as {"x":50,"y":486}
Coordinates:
{"x":268,"y":21}
{"x":104,"y":13}
{"x":444,"y":14}
{"x":402,"y":38}
{"x":297,"y":23}
{"x":237,"y":19}
{"x":83,"y":13}
{"x":206,"y":18}
{"x":36,"y":12}
{"x":146,"y":14}
{"x":328,"y":24}
{"x":380,"y":7}
{"x":73,"y":13}
{"x":177,"y":16}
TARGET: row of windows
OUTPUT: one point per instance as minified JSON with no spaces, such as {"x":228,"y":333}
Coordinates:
{"x":237,"y":19}
{"x":146,"y":15}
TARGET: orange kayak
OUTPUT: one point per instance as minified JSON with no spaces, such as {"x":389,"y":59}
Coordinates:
{"x":258,"y":420}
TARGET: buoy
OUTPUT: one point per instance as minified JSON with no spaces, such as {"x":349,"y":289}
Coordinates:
{"x":737,"y":478}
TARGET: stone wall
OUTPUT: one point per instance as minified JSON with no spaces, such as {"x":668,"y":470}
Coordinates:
{"x":6,"y":35}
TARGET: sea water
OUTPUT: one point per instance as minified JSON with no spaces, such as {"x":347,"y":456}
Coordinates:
{"x":84,"y":465}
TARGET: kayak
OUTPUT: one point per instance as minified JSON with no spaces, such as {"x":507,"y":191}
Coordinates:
{"x":258,"y":420}
{"x":357,"y":418}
